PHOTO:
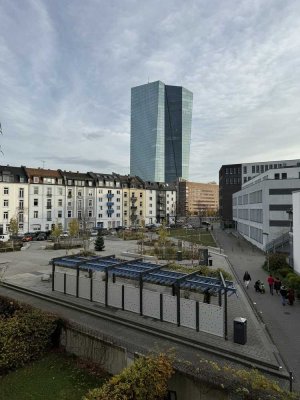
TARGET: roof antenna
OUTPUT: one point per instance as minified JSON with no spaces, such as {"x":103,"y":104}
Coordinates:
{"x":43,"y":163}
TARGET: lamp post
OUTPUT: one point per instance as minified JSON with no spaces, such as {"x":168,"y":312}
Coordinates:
{"x":267,"y":252}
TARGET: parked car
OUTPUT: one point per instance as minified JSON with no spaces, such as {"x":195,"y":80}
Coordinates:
{"x":64,"y":234}
{"x":41,"y":236}
{"x":4,"y":238}
{"x":27,"y":238}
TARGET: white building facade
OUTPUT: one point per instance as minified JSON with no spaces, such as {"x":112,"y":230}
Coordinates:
{"x":296,"y":231}
{"x":261,"y":208}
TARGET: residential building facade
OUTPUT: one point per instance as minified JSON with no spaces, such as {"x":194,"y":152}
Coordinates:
{"x":13,"y":197}
{"x":161,"y":117}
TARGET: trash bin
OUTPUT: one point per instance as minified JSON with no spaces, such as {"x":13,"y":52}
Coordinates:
{"x":179,"y":255}
{"x":210,"y":262}
{"x":240,"y":330}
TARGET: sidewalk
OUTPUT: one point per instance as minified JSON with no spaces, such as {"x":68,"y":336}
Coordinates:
{"x":283,"y":323}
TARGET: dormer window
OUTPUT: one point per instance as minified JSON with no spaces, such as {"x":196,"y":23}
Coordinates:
{"x":36,"y":179}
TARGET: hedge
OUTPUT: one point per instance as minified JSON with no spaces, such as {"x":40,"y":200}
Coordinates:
{"x":147,"y":379}
{"x":25,"y":334}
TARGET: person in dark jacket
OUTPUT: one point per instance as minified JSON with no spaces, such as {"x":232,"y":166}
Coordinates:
{"x":291,"y":296}
{"x":277,"y":285}
{"x":283,"y":294}
{"x":247,"y":279}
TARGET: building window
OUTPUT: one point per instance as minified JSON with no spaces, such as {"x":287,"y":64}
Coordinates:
{"x":21,"y":193}
{"x":36,"y":179}
{"x":257,"y":169}
{"x":49,"y":192}
{"x":35,"y":214}
{"x":79,"y":194}
{"x":49,"y":203}
{"x":49,"y":218}
{"x":118,"y":192}
{"x":21,"y":204}
{"x":5,"y":215}
{"x":118,"y":208}
{"x":59,"y":214}
{"x":79,"y":214}
{"x":90,"y":213}
{"x":60,"y":191}
{"x":35,"y":190}
{"x":5,"y":190}
{"x":118,"y":215}
{"x":125,"y":194}
{"x":69,"y":214}
{"x":5,"y":203}
{"x":35,"y":202}
{"x":118,"y":200}
{"x":69,"y":194}
{"x":141,"y":203}
{"x":60,"y":202}
{"x":141,"y":195}
{"x":21,"y":217}
{"x":276,"y":176}
{"x":245,"y":169}
{"x":90,"y":203}
{"x":99,"y":215}
{"x":284,"y":175}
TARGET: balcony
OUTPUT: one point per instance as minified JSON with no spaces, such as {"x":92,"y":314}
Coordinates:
{"x":109,"y":212}
{"x":48,"y":207}
{"x":133,"y":199}
{"x":110,"y":195}
{"x":110,"y":203}
{"x":49,"y":194}
{"x":133,"y":207}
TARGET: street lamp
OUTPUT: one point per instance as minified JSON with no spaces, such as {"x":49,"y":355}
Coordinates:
{"x":268,"y":260}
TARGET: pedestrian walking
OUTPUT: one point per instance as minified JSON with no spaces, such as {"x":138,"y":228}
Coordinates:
{"x":291,"y":296}
{"x":257,"y":286}
{"x":283,"y":294}
{"x":277,"y":285}
{"x":271,"y":283}
{"x":247,"y":279}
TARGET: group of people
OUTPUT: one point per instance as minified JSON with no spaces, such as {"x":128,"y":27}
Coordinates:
{"x":287,"y":295}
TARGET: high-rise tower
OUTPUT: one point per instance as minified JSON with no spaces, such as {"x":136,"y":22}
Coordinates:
{"x":161,"y":117}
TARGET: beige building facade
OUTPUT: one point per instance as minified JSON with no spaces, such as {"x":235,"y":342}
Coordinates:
{"x":196,"y":198}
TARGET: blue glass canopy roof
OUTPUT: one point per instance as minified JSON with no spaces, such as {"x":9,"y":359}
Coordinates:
{"x":147,"y":272}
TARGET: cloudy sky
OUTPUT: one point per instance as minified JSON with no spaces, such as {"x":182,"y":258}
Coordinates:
{"x":67,"y":66}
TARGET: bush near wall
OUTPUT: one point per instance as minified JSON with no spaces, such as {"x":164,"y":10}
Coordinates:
{"x":246,"y":384}
{"x":147,"y":379}
{"x":280,"y":268}
{"x":25,"y":334}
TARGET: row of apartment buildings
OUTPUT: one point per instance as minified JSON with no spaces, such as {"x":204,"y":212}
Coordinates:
{"x":40,"y":198}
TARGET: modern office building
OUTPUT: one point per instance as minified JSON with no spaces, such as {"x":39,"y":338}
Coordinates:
{"x":233,"y":176}
{"x":262,"y":208}
{"x":195,"y":198}
{"x":161,"y":119}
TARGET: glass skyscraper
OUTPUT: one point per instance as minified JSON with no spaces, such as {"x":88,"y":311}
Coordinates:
{"x":161,"y":118}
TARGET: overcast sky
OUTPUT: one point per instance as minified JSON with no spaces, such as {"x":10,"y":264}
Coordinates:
{"x":67,"y":67}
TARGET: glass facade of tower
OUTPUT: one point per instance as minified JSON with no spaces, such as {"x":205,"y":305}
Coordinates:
{"x":147,"y":146}
{"x":161,"y":119}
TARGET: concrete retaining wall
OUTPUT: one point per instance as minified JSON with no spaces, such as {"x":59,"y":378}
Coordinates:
{"x":113,"y":358}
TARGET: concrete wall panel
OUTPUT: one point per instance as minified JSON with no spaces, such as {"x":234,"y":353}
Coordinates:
{"x":151,"y":304}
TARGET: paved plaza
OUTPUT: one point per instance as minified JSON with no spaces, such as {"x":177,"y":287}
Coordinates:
{"x":25,"y":269}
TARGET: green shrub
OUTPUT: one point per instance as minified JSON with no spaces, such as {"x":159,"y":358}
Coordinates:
{"x":283,"y":272}
{"x":25,"y":333}
{"x":147,"y":379}
{"x":293,"y":281}
{"x":277,"y":261}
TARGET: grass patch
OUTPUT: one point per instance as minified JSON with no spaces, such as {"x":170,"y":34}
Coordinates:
{"x":197,"y":236}
{"x":56,"y":376}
